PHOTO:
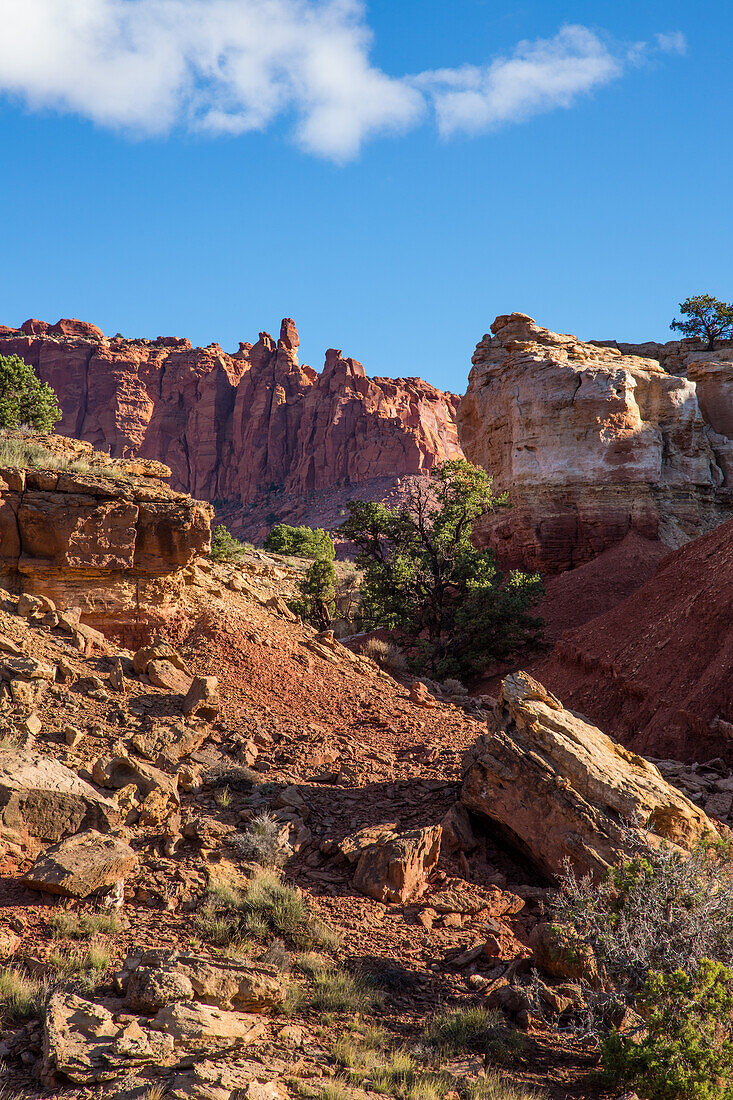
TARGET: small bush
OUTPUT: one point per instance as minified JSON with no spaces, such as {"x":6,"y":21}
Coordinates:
{"x":261,"y":842}
{"x":224,"y":547}
{"x":88,"y":963}
{"x":267,"y":909}
{"x":21,"y":996}
{"x":237,"y":777}
{"x":664,"y":910}
{"x":302,"y":542}
{"x":686,"y":1049}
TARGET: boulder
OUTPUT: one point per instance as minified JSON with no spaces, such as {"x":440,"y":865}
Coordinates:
{"x":161,"y":978}
{"x":202,"y":699}
{"x":560,"y":789}
{"x":89,"y":1044}
{"x":47,"y":799}
{"x":396,"y":868}
{"x":199,"y":1027}
{"x":80,"y":865}
{"x":121,"y":771}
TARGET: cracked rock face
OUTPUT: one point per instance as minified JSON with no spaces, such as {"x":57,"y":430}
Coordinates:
{"x":592,"y":443}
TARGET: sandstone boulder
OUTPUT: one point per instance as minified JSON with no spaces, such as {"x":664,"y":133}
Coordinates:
{"x":80,"y":865}
{"x":199,"y":1027}
{"x":396,"y":868}
{"x":560,"y":789}
{"x":161,"y":978}
{"x":202,"y":699}
{"x":89,"y":1044}
{"x":47,"y":799}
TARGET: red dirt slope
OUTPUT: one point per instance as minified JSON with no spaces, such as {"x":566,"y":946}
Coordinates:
{"x":656,"y":671}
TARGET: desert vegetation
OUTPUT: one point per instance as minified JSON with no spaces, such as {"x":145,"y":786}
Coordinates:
{"x":705,"y":318}
{"x":25,"y":401}
{"x":424,"y":579}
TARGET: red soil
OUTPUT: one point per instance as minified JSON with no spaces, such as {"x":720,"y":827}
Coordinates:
{"x":655,"y":672}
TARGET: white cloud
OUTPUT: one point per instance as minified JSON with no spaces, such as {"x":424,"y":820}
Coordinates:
{"x":539,"y":76}
{"x":674,"y":42}
{"x":233,"y":66}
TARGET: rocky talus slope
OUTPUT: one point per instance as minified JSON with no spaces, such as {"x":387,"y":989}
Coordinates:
{"x":106,"y":536}
{"x":593,"y":442}
{"x":252,"y":428}
{"x":131,"y":779}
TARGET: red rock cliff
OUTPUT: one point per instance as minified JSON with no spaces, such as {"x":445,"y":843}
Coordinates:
{"x":234,"y":428}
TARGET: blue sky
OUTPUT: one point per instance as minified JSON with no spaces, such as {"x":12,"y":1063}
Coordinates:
{"x":391,"y":175}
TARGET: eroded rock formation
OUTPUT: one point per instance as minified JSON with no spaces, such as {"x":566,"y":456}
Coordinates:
{"x":235,"y":428}
{"x":106,"y":537}
{"x":593,"y":442}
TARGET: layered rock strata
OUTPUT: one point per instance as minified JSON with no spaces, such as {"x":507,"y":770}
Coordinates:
{"x":592,"y":443}
{"x":235,"y":428}
{"x":106,"y":537}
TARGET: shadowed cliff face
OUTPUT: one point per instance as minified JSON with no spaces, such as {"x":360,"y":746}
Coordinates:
{"x":594,"y":442}
{"x":234,"y":427}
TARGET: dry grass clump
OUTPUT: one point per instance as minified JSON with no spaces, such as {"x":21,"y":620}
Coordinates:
{"x":21,"y":996}
{"x":267,"y":909}
{"x":82,"y":926}
{"x":496,"y":1087}
{"x":24,"y":453}
{"x":384,"y":654}
{"x":462,"y":1031}
{"x":235,"y":777}
{"x":87,"y":964}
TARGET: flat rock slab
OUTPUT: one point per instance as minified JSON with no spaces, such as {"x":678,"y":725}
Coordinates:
{"x":47,"y":799}
{"x":81,"y":865}
{"x":194,"y":1026}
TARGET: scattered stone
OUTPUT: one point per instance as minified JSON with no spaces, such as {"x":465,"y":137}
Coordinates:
{"x":558,"y":954}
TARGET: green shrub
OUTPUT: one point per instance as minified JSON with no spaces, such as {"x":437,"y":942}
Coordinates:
{"x":302,"y":542}
{"x":224,"y":547}
{"x":83,"y":926}
{"x":424,"y":579}
{"x":25,"y":401}
{"x":685,"y":1051}
{"x":317,"y":603}
{"x":266,"y":909}
{"x":335,"y":990}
